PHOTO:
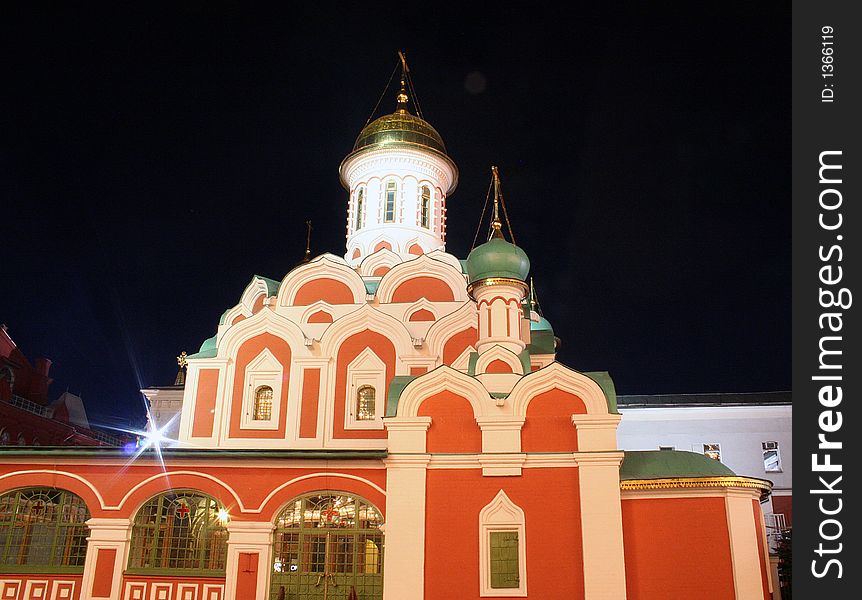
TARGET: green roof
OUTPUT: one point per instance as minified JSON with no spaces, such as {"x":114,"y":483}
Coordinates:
{"x":603,"y":378}
{"x":271,"y":285}
{"x":371,"y":286}
{"x":207,"y":349}
{"x":660,"y":464}
{"x":396,"y":386}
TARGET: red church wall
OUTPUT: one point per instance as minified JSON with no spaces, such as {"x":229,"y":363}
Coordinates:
{"x":251,"y":483}
{"x":431,"y":288}
{"x":103,"y":574}
{"x":320,"y":316}
{"x":205,"y":403}
{"x":762,"y":552}
{"x":677,"y":549}
{"x":328,"y":290}
{"x":553,"y":533}
{"x":246,"y":577}
{"x":310,"y":403}
{"x":248,"y":352}
{"x":498,"y":366}
{"x":42,"y":586}
{"x":258,"y":304}
{"x":349,"y":350}
{"x":548,"y":427}
{"x":453,"y":424}
{"x":455,"y":345}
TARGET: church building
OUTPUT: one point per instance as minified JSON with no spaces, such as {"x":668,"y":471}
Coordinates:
{"x":385,"y":423}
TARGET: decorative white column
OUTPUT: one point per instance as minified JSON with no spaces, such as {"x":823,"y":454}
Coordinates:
{"x":249,"y":537}
{"x":404,"y":541}
{"x":601,"y":525}
{"x":107,"y":553}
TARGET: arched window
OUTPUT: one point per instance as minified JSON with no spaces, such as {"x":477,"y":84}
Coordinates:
{"x":263,"y":403}
{"x":365,"y":403}
{"x":425,"y":207}
{"x":389,"y":203}
{"x":360,"y":201}
{"x":43,"y":530}
{"x":329,"y":535}
{"x":180,"y":530}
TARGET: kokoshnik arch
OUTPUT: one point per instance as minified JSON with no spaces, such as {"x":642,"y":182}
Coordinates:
{"x":387,"y":424}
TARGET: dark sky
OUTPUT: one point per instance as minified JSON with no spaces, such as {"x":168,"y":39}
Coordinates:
{"x":153,"y":159}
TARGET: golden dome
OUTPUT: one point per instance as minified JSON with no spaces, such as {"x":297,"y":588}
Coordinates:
{"x":399,"y":128}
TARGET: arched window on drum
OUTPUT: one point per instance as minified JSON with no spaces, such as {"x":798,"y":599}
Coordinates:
{"x":43,"y":530}
{"x":179,"y":532}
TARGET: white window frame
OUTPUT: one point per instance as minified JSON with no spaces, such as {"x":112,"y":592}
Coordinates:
{"x":264,"y":369}
{"x":366,"y":369}
{"x":501,"y":514}
{"x":701,"y":449}
{"x":764,"y":449}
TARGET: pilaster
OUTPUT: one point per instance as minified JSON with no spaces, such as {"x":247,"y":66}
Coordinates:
{"x":249,"y":556}
{"x":107,"y":553}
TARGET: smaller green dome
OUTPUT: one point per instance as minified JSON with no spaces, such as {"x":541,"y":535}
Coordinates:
{"x":497,"y":258}
{"x":542,"y":325}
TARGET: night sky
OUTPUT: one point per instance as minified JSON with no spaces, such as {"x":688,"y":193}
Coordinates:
{"x":153,"y":159}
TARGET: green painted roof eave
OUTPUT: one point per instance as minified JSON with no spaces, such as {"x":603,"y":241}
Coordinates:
{"x":603,"y":378}
{"x":396,"y":387}
{"x":661,"y":464}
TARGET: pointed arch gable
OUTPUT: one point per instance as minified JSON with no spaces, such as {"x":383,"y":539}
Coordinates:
{"x":429,"y":270}
{"x":442,"y":379}
{"x":500,"y":354}
{"x":266,"y":321}
{"x":367,"y":317}
{"x":381,"y":258}
{"x":556,"y":376}
{"x":453,"y":324}
{"x":347,"y":286}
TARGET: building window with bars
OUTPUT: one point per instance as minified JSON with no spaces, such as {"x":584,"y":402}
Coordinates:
{"x":713,"y":451}
{"x":425,"y":207}
{"x":771,"y":457}
{"x":360,"y":205}
{"x":181,"y":531}
{"x":389,"y":202}
{"x":263,"y":403}
{"x":366,"y":403}
{"x":43,"y":530}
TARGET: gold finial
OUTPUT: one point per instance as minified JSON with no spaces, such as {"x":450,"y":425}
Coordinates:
{"x":307,"y":256}
{"x":402,"y":97}
{"x":533,"y":300}
{"x":496,"y":225}
{"x":182,"y":361}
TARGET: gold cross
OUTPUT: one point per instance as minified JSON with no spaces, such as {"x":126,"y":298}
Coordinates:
{"x":181,"y":360}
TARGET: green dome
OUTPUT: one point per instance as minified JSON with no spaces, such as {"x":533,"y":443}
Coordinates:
{"x":542,"y":325}
{"x":497,"y":258}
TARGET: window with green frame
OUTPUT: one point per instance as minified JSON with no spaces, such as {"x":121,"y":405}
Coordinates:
{"x":180,"y":530}
{"x":504,"y":559}
{"x":43,"y":530}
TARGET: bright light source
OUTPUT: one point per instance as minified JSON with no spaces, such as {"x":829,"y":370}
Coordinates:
{"x":223,"y":516}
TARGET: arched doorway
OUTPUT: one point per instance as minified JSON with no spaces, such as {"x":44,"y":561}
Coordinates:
{"x":328,"y":546}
